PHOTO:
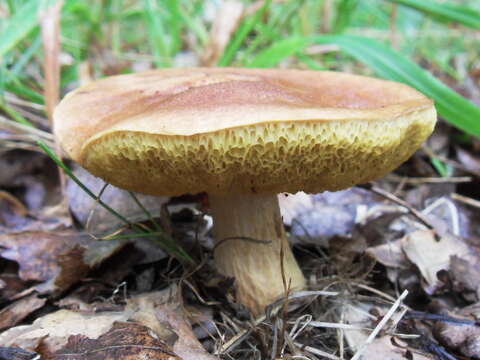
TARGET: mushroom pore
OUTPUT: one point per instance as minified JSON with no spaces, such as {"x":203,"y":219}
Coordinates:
{"x":243,"y":136}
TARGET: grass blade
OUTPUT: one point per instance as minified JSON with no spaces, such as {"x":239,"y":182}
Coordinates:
{"x":391,"y":65}
{"x":344,"y":14}
{"x":175,"y":23}
{"x":445,"y":11}
{"x":244,"y":29}
{"x":165,"y":241}
{"x":278,"y":51}
{"x":20,"y":24}
{"x":16,"y":87}
{"x":156,"y":33}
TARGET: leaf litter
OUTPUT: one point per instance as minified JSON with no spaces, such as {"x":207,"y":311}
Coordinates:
{"x":65,"y":294}
{"x":148,"y":326}
{"x":63,"y":264}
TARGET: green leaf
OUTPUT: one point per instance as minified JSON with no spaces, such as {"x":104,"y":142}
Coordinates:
{"x":24,"y":91}
{"x":344,"y":13}
{"x":175,"y":25}
{"x":243,"y":30}
{"x":195,"y":25}
{"x":445,"y":11}
{"x":270,"y":31}
{"x":156,"y":33}
{"x":391,"y":65}
{"x":165,"y":241}
{"x":278,"y":51}
{"x":19,"y":26}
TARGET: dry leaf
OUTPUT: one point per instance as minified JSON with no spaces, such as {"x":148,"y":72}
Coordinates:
{"x":29,"y":176}
{"x":323,"y":216}
{"x":37,"y":251}
{"x":12,"y":314}
{"x":431,"y":255}
{"x":465,"y":271}
{"x":12,"y":285}
{"x":95,"y":218}
{"x":14,"y":353}
{"x":55,"y":328}
{"x":469,"y":160}
{"x":357,"y":313}
{"x":382,"y":348}
{"x":16,"y":164}
{"x":464,"y":338}
{"x":125,"y":340}
{"x":360,"y":313}
{"x":390,"y":254}
{"x":151,"y":318}
{"x":170,"y":315}
{"x":57,"y":259}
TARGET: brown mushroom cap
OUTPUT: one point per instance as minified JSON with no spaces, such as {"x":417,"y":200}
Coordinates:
{"x":222,"y":130}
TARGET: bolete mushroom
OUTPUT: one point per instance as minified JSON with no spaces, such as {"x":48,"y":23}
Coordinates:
{"x":243,"y":136}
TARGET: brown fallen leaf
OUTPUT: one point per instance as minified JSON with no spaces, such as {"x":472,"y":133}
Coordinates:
{"x":390,"y":254}
{"x":15,"y":164}
{"x":125,"y":340}
{"x":37,"y":251}
{"x":465,"y":272}
{"x":382,"y":348}
{"x":469,"y":160}
{"x":15,"y":204}
{"x":10,"y":216}
{"x":14,"y":353}
{"x":464,"y":338}
{"x":11,"y":282}
{"x":12,"y":314}
{"x":153,"y":313}
{"x":56,"y":259}
{"x":431,"y":255}
{"x":319,"y":217}
{"x":95,"y":218}
{"x":54,"y":329}
{"x":155,"y":310}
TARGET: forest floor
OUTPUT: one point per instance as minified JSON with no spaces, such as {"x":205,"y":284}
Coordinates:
{"x":393,"y":267}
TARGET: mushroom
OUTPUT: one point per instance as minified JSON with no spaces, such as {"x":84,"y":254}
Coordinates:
{"x":243,"y":136}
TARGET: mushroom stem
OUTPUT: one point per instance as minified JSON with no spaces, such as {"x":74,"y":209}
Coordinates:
{"x":250,"y":236}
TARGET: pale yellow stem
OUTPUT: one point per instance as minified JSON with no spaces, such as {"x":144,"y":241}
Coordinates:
{"x":250,"y":237}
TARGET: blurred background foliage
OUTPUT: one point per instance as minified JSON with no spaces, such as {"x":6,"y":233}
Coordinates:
{"x":432,"y":45}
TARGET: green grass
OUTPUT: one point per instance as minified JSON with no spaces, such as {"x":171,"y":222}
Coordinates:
{"x":445,"y":11}
{"x":121,"y":36}
{"x":165,"y":241}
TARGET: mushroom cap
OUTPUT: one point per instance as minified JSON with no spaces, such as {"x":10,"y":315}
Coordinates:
{"x":219,"y":130}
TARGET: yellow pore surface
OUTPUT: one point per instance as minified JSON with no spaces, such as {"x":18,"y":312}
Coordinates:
{"x":220,"y":130}
{"x":273,"y":157}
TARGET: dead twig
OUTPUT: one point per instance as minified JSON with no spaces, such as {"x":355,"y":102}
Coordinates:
{"x":271,"y":309}
{"x":466,"y":200}
{"x":318,"y":352}
{"x":380,"y":325}
{"x":429,"y":180}
{"x":17,"y":204}
{"x":451,"y":162}
{"x":403,"y":203}
{"x":33,"y":134}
